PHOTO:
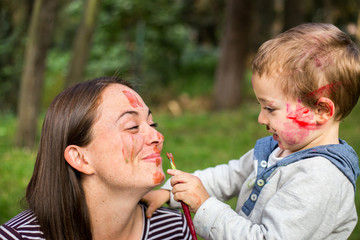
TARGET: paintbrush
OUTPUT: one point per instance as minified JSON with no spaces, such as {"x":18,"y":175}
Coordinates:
{"x":183,"y":205}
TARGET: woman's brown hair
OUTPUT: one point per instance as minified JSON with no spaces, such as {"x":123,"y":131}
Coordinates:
{"x":55,"y":193}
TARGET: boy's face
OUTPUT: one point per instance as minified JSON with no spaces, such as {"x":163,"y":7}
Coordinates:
{"x":291,"y":123}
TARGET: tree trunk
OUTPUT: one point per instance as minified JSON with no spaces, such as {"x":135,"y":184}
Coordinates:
{"x":15,"y":16}
{"x":234,"y":47}
{"x":31,"y":86}
{"x":82,"y":43}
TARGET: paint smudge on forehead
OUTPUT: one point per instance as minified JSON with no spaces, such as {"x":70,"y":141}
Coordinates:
{"x":158,"y":177}
{"x":134,"y":102}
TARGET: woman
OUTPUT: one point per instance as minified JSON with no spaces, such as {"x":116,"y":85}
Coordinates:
{"x":99,"y":155}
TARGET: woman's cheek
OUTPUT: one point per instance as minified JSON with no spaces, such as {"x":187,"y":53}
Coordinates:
{"x":132,"y":145}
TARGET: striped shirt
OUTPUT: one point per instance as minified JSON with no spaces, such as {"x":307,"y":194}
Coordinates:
{"x":167,"y":224}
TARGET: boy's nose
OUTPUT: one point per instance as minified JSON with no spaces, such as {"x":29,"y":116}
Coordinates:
{"x":262,"y":119}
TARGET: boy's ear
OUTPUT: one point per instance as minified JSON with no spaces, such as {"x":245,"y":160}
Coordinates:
{"x":325,"y":109}
{"x":73,"y":155}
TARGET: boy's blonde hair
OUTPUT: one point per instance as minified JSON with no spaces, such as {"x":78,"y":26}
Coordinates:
{"x":311,"y":61}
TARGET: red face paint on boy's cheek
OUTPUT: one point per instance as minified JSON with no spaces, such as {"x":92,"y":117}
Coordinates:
{"x":292,"y":135}
{"x":302,"y":116}
{"x":134,"y":102}
{"x":158,"y":177}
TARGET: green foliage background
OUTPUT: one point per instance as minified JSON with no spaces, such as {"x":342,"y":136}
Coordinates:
{"x":197,"y":139}
{"x":153,"y":44}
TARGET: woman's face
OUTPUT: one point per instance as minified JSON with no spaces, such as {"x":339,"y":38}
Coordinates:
{"x":125,"y":147}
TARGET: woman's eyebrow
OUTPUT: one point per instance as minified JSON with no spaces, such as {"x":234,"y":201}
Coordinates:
{"x":126,"y":112}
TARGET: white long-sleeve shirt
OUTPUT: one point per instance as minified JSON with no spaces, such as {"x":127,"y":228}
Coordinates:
{"x":308,"y":199}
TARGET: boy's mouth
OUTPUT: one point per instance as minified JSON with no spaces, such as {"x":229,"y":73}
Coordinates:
{"x":275,"y":136}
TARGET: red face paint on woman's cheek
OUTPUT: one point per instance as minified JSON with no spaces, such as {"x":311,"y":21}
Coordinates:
{"x":132,"y":145}
{"x":158,"y":177}
{"x":134,"y":102}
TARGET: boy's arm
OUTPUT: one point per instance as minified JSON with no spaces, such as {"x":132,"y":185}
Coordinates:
{"x":155,"y":199}
{"x":308,"y":200}
{"x":226,"y":180}
{"x":223,"y":181}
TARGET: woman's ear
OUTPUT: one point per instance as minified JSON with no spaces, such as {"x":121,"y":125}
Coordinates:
{"x":325,"y":109}
{"x":73,"y":155}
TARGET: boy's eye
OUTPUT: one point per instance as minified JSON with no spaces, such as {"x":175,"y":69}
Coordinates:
{"x":270,"y":110}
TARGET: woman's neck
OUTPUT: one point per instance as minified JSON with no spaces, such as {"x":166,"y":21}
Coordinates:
{"x":114,"y":215}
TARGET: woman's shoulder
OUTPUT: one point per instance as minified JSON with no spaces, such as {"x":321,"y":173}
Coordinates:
{"x":23,"y":225}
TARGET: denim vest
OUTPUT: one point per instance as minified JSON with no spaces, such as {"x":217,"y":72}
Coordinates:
{"x":341,"y":155}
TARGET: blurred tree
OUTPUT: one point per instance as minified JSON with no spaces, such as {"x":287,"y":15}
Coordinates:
{"x":82,"y":43}
{"x":264,"y":20}
{"x":40,"y":32}
{"x":234,"y":50}
{"x":14,"y":16}
{"x":205,"y":18}
{"x":294,"y":13}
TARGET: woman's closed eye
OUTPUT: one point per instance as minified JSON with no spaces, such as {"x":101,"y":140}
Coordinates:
{"x":135,"y":127}
{"x":154,"y":125}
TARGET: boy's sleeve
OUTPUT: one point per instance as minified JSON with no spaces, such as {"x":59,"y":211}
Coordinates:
{"x":222,"y":181}
{"x":225,"y":181}
{"x":311,"y":200}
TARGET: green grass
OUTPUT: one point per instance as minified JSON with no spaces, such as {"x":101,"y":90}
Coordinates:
{"x":197,"y":140}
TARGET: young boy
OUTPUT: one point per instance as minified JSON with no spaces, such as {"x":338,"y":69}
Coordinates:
{"x":298,"y":183}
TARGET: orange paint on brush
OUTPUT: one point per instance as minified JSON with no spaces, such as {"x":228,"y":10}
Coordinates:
{"x":158,"y":177}
{"x":134,"y":102}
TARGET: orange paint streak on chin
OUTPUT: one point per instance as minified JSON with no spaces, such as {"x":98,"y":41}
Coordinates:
{"x":158,"y":177}
{"x":134,"y":102}
{"x":158,"y":161}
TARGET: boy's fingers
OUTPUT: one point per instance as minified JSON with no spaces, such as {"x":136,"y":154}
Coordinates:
{"x":150,"y":211}
{"x":173,"y":172}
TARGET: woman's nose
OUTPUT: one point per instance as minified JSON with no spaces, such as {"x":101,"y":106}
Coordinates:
{"x":154,"y":136}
